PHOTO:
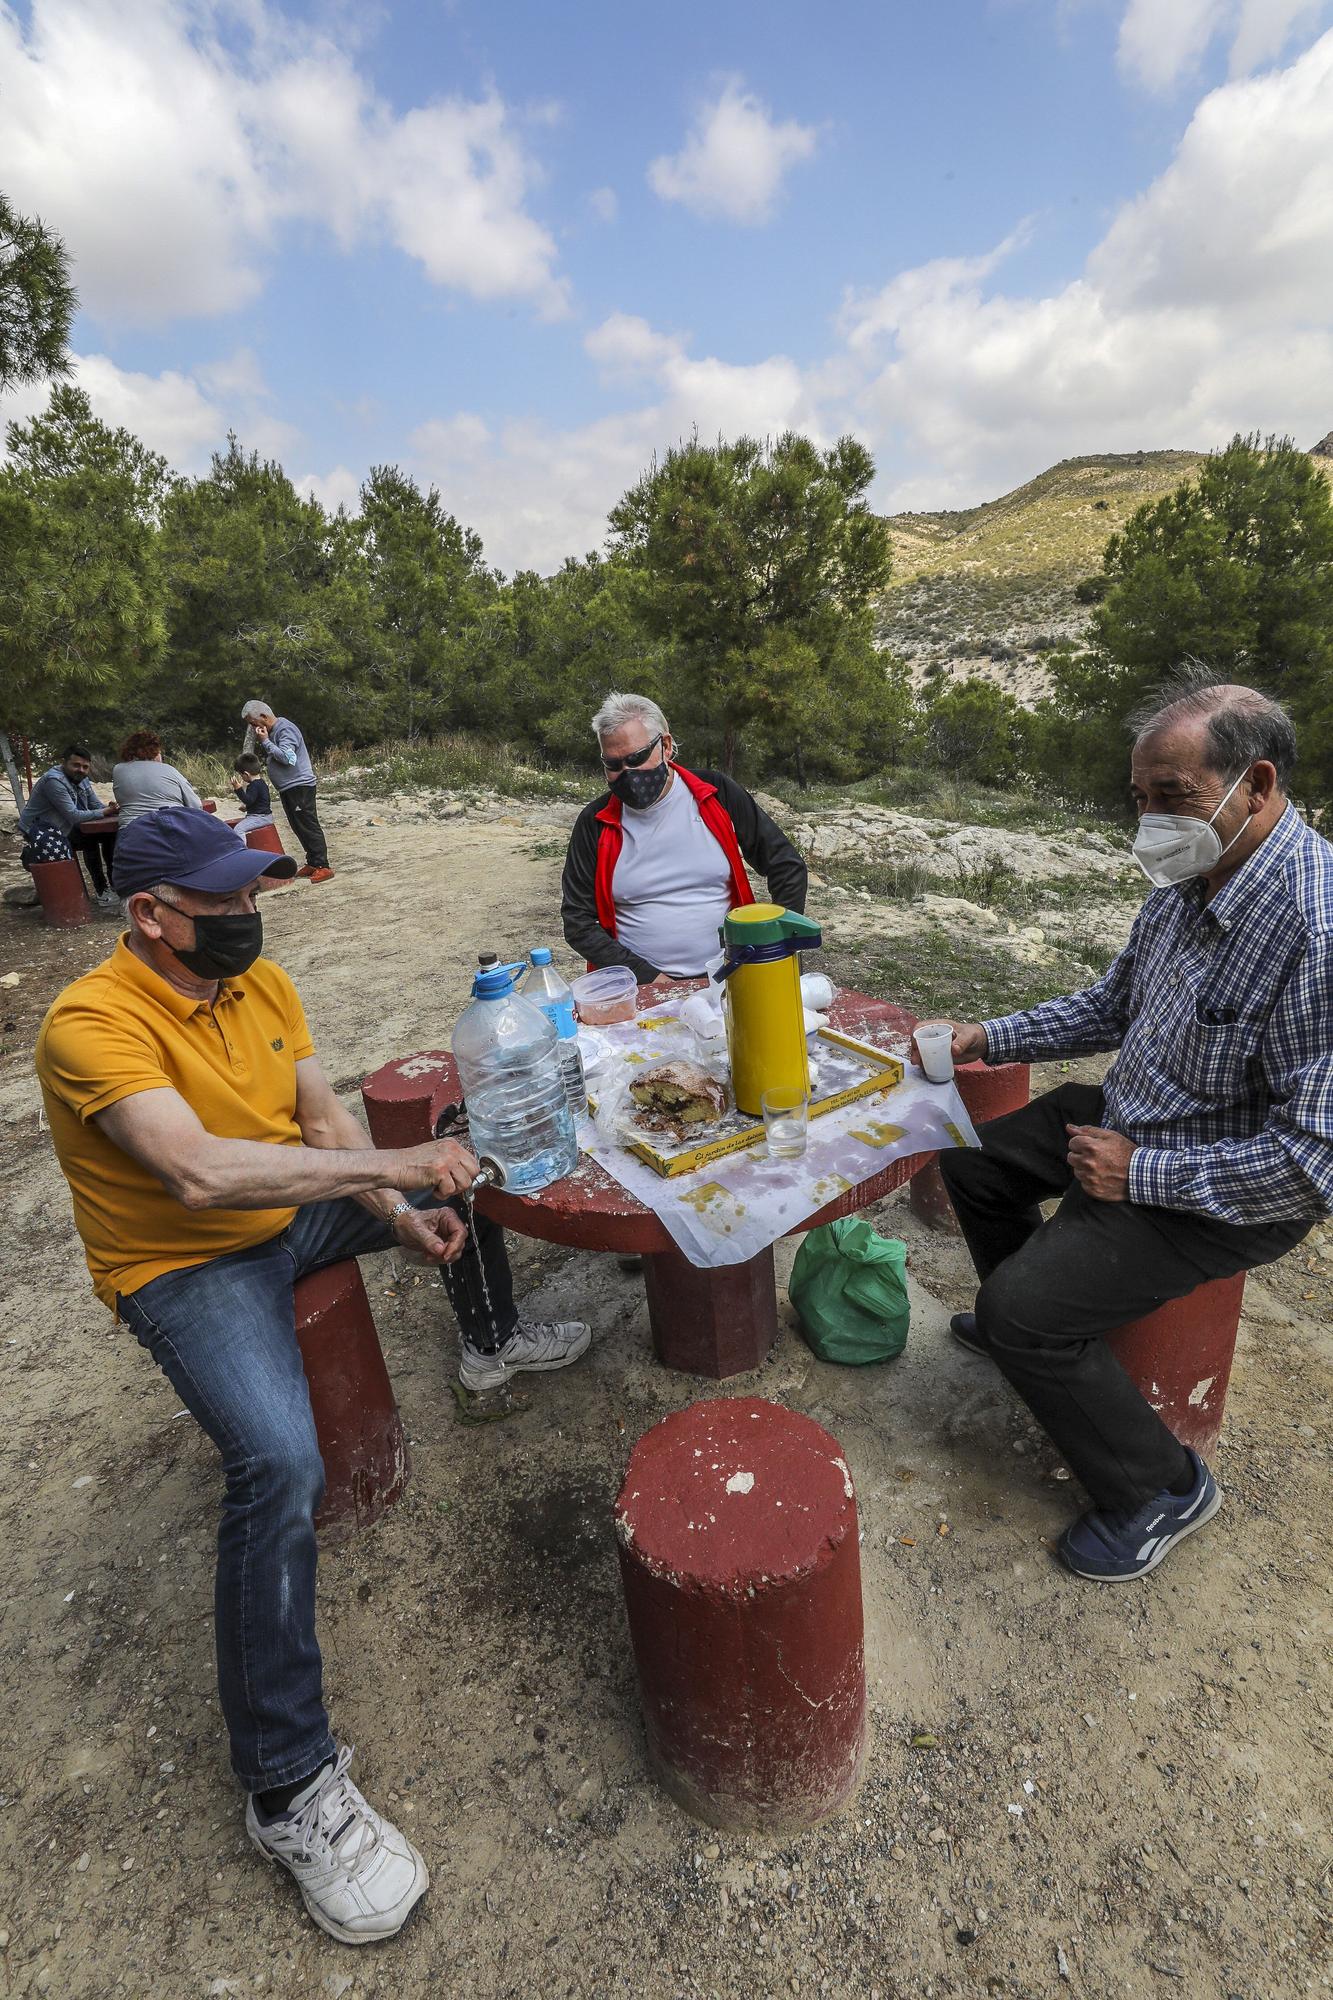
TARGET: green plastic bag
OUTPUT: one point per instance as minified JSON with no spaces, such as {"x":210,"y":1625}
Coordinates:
{"x":849,"y":1292}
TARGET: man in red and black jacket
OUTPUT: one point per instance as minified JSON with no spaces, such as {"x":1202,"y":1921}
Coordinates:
{"x":655,"y":863}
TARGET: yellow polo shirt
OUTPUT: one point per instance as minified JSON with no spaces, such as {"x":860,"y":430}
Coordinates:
{"x":122,"y":1029}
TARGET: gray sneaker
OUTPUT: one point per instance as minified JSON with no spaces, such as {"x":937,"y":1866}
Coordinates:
{"x":107,"y":899}
{"x":359,"y":1876}
{"x":534,"y":1344}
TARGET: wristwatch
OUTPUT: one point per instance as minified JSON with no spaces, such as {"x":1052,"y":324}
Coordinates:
{"x":399,"y":1208}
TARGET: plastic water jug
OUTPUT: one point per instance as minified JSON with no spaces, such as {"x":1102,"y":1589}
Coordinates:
{"x":509,"y":1066}
{"x":765,"y":1014}
{"x":547,"y":990}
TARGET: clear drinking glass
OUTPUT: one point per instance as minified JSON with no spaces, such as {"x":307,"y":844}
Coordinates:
{"x":786,"y":1119}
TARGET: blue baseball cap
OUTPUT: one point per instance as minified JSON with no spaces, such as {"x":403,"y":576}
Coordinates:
{"x":191,"y":850}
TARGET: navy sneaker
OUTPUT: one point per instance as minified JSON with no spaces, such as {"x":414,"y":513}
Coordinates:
{"x":963,"y":1327}
{"x":1111,"y":1547}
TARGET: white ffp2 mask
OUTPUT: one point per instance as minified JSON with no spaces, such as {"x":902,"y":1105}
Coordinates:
{"x":1172,"y":847}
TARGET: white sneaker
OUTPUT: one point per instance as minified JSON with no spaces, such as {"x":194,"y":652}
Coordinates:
{"x":360,"y":1877}
{"x":533,"y":1344}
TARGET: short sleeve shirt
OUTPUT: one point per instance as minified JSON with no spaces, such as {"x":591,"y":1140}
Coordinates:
{"x":121,"y":1029}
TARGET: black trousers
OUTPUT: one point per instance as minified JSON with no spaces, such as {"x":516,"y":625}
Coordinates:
{"x":97,"y":850}
{"x":1051,"y":1290}
{"x":298,"y":802}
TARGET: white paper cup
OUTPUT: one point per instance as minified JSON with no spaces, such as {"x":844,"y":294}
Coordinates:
{"x":934,"y":1044}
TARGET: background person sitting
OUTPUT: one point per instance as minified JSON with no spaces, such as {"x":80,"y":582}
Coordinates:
{"x":142,"y":782}
{"x":650,"y":886}
{"x":61,"y":802}
{"x":282,"y":746}
{"x":252,"y":795}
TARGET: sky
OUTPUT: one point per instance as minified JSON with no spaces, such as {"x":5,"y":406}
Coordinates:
{"x":519,"y":248}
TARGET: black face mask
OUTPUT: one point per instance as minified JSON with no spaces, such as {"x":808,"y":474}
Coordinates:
{"x":638,"y":789}
{"x":224,"y":947}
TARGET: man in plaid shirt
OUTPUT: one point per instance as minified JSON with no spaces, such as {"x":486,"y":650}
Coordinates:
{"x":1207,"y":1150}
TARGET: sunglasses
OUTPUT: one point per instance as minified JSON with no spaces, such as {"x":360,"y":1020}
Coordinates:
{"x":614,"y":765}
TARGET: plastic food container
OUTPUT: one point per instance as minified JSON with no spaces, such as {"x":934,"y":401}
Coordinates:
{"x":605,"y":996}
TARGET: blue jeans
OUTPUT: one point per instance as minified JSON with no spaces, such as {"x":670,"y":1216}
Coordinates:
{"x":224,"y":1334}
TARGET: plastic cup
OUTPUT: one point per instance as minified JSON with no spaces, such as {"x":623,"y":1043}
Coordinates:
{"x":786,"y":1122}
{"x":934,"y":1045}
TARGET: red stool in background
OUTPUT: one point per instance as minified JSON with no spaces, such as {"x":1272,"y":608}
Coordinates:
{"x":988,"y":1092}
{"x":64,"y":900}
{"x":1180,"y":1358}
{"x":740,"y":1560}
{"x":267,"y":838}
{"x":404,"y":1099}
{"x":366,"y":1461}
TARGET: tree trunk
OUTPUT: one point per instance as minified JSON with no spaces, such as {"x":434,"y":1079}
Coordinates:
{"x":801,"y":778}
{"x":729,"y":753}
{"x":8,"y":754}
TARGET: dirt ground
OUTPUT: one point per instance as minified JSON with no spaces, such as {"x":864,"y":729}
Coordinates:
{"x":1130,"y":1793}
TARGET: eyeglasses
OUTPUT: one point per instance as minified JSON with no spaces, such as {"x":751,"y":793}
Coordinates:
{"x":636,"y":758}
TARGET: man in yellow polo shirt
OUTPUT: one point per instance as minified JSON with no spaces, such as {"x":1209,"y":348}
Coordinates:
{"x":210,"y":1166}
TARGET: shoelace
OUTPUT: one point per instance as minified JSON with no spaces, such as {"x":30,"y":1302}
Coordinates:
{"x":309,"y":1821}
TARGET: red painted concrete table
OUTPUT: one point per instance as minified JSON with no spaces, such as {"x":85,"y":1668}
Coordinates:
{"x":716,"y":1322}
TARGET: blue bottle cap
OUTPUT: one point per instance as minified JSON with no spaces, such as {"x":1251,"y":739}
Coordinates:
{"x":540,"y":954}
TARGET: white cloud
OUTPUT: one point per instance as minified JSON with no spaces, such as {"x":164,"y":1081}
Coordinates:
{"x":171,"y":157}
{"x":1207,"y":308}
{"x":339,"y":488}
{"x":626,"y":344}
{"x":536,"y":493}
{"x":734,"y":158}
{"x":184,"y":416}
{"x":604,"y":203}
{"x":1162,"y":41}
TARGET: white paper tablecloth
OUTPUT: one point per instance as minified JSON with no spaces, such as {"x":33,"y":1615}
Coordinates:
{"x":728,"y":1212}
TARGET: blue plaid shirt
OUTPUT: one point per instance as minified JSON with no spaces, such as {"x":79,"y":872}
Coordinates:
{"x":1223,"y":1016}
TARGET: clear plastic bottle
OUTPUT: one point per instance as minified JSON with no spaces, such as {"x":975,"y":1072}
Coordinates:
{"x":547,"y":990}
{"x":507,"y":1053}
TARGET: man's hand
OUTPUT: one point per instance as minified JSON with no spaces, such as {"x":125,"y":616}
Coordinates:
{"x":441,"y":1164}
{"x":436,"y":1233}
{"x":1100,"y":1160}
{"x":969,"y":1043}
{"x":261,"y":731}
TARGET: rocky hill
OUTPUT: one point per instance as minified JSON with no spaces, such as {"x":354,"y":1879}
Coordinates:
{"x":989,"y":589}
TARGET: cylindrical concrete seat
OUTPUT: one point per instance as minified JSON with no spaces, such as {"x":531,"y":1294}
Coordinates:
{"x":266,"y":838}
{"x":366,"y":1462}
{"x":1180,"y":1357}
{"x":988,"y":1091}
{"x":64,"y":900}
{"x":404,"y":1099}
{"x":742,"y":1575}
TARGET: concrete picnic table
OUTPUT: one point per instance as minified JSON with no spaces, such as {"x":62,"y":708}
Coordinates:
{"x":715,"y":1322}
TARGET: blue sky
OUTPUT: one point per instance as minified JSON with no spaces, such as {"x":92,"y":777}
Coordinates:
{"x":517,"y":248}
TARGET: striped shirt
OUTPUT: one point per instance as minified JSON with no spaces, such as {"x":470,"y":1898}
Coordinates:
{"x":1223,"y":1018}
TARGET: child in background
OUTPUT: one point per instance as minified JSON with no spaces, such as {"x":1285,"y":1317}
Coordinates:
{"x":252,"y":795}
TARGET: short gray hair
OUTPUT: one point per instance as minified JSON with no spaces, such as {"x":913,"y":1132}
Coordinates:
{"x":619,"y":709}
{"x":1243,"y":725}
{"x":254,"y":709}
{"x":163,"y":892}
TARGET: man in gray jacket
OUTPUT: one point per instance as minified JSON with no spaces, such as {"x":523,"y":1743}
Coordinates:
{"x":62,"y":802}
{"x":282,"y":746}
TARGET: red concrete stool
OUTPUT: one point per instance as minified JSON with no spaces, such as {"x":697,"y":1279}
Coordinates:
{"x":266,"y":838}
{"x":742,"y":1575}
{"x":1180,"y":1357}
{"x":404,"y":1099}
{"x":366,"y":1462}
{"x":988,"y":1092}
{"x":64,"y":900}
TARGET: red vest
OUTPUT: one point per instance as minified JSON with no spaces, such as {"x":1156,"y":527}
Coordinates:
{"x":714,"y":816}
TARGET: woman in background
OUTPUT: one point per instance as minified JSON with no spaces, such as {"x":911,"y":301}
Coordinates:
{"x":142,"y":782}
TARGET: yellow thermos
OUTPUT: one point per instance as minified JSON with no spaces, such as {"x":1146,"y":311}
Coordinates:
{"x":765,"y":1016}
